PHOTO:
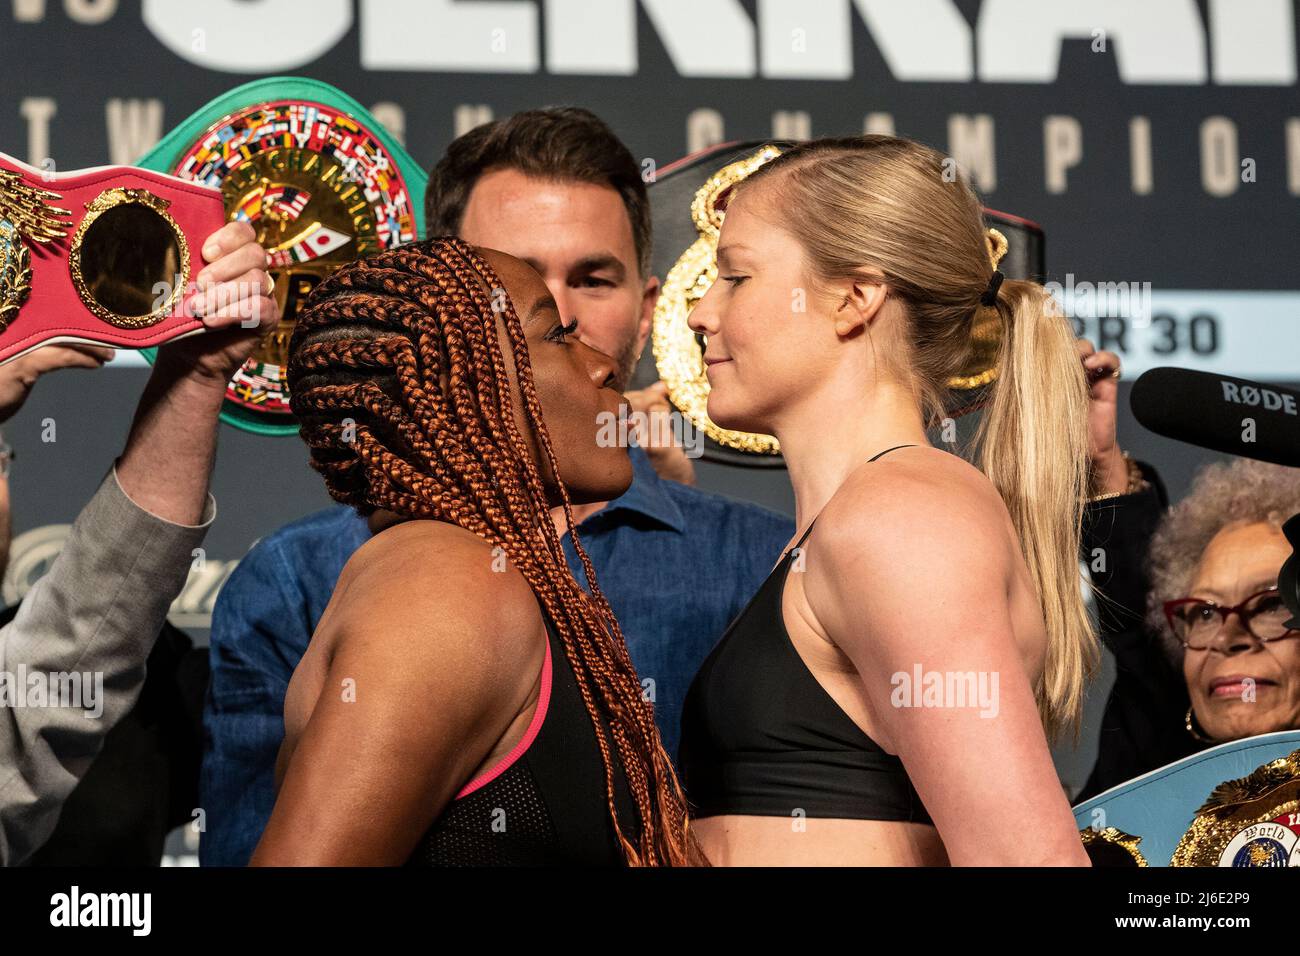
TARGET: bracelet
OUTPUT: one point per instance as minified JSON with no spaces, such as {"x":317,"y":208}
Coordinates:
{"x":1136,"y":482}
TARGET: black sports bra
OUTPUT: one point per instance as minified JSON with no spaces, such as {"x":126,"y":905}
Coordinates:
{"x":545,"y":802}
{"x":761,"y":736}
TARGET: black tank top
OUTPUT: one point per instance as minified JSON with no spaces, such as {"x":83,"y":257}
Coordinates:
{"x":761,"y":736}
{"x":545,"y":802}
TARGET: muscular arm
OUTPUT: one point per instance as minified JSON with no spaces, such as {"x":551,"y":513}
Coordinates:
{"x":923,"y":578}
{"x":432,"y":665}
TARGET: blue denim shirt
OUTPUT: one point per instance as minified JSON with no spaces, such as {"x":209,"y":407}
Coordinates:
{"x":676,"y":563}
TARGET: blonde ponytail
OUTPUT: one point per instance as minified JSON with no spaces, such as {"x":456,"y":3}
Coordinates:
{"x":1033,"y":446}
{"x":885,"y":205}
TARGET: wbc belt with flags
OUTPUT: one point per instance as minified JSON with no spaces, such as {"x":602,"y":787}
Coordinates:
{"x":322,"y":183}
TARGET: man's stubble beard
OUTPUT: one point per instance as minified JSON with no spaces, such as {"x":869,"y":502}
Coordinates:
{"x":626,"y":362}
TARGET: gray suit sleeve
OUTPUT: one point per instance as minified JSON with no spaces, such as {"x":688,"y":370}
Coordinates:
{"x":72,"y":661}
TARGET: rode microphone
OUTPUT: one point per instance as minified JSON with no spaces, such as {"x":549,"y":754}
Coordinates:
{"x":1288,"y":579}
{"x":1231,"y":415}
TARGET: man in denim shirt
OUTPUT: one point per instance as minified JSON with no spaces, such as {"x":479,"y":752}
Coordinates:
{"x":557,"y":189}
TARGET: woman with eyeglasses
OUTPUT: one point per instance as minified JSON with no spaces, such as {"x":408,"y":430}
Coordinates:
{"x":1213,"y":661}
{"x":1215,"y":599}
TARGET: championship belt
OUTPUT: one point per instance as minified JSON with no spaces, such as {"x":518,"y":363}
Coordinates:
{"x":1237,"y":804}
{"x":322,"y":183}
{"x":688,"y":200}
{"x":99,"y":256}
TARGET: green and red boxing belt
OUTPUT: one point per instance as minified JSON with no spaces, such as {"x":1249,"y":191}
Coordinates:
{"x":106,"y":256}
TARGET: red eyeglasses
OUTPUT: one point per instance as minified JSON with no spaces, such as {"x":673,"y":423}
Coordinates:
{"x":1195,"y":622}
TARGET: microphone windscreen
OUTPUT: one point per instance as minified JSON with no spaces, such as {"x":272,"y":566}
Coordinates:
{"x":1225,"y":414}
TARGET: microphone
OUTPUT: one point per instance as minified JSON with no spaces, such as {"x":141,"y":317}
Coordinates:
{"x":1225,"y":414}
{"x":1288,"y":579}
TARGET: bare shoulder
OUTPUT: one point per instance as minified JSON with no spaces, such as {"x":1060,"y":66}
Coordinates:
{"x":906,"y":551}
{"x":914,"y":504}
{"x":426,"y":586}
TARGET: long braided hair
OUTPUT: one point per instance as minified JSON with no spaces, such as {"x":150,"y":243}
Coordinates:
{"x":367,"y":366}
